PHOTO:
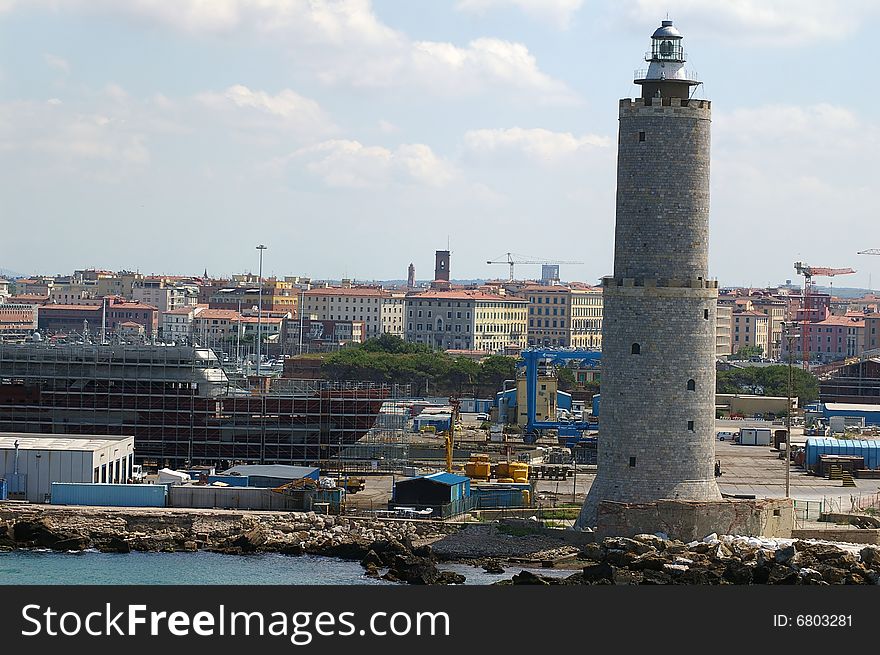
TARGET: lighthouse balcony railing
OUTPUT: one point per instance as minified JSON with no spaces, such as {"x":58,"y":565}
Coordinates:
{"x":676,"y":54}
{"x":682,"y":74}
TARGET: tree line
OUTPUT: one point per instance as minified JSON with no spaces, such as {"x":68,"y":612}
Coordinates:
{"x":392,"y":360}
{"x":389,"y":359}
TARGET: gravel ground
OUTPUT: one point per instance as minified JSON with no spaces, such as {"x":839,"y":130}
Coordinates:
{"x":485,"y":541}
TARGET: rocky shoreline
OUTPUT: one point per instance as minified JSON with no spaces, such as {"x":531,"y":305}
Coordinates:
{"x":651,"y":560}
{"x":401,"y":547}
{"x":410,"y":551}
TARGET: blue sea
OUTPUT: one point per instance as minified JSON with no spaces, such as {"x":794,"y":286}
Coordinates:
{"x":48,"y":567}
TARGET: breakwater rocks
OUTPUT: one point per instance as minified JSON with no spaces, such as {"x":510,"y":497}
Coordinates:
{"x":399,"y":546}
{"x":651,"y":560}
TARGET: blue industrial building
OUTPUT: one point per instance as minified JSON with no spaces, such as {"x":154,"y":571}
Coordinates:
{"x":871,"y":413}
{"x":272,"y":475}
{"x":109,"y":495}
{"x":439,"y":422}
{"x":431,"y":490}
{"x":867,"y":448}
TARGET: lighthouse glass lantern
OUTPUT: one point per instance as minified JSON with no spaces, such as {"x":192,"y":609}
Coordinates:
{"x":666,"y":43}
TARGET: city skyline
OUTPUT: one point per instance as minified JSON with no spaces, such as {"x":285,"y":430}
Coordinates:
{"x":160,"y":139}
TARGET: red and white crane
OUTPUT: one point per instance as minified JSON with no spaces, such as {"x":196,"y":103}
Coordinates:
{"x":809,"y":272}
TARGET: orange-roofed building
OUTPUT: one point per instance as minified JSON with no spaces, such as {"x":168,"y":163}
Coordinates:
{"x":832,"y":339}
{"x":214,"y":327}
{"x":119,"y":312}
{"x":380,"y":310}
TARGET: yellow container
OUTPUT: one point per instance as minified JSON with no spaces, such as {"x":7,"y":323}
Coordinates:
{"x":526,"y":497}
{"x":482,"y":470}
{"x":502,"y":470}
{"x":519,"y":471}
{"x":505,"y":480}
{"x":469,"y":469}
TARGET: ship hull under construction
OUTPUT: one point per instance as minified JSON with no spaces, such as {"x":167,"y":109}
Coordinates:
{"x":179,"y":404}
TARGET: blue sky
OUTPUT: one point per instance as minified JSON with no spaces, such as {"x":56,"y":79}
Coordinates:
{"x":353,"y":137}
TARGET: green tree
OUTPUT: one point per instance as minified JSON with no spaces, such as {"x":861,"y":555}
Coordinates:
{"x":495,"y":369}
{"x":747,"y":352}
{"x":463,"y":373}
{"x":565,"y":378}
{"x":769,"y":381}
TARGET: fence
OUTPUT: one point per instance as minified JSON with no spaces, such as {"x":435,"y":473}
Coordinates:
{"x":811,"y":510}
{"x":807,"y":510}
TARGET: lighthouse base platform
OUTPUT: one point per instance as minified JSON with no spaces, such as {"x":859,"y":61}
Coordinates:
{"x":688,"y":520}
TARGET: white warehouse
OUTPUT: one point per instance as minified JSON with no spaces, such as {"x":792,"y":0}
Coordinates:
{"x":30,"y":463}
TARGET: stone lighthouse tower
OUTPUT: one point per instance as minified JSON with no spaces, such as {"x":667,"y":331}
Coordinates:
{"x":657,"y":419}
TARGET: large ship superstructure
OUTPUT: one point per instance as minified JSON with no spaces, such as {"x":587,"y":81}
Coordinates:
{"x":180,"y":404}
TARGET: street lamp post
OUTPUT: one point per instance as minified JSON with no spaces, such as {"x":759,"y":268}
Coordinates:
{"x":302,"y":299}
{"x":789,"y":331}
{"x":261,"y":248}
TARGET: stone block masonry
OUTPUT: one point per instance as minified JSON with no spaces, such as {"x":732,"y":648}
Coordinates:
{"x":692,"y":520}
{"x":658,"y":335}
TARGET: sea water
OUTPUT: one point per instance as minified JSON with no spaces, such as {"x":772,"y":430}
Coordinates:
{"x":32,"y":567}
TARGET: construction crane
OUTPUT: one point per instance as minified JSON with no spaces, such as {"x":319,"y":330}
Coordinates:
{"x":870,"y":251}
{"x":511,"y":258}
{"x":809,"y":272}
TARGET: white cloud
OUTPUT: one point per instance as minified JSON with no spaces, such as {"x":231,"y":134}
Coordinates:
{"x":420,"y":163}
{"x":70,"y":139}
{"x":56,"y":63}
{"x":795,"y":131}
{"x":556,"y":12}
{"x":387,"y":127}
{"x":350,"y":164}
{"x":448,"y":69}
{"x":539,"y":144}
{"x":259,"y":110}
{"x":768,"y":22}
{"x":793,"y":179}
{"x":344,"y":42}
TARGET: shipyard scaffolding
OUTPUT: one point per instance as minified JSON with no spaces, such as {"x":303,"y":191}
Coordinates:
{"x":184,"y":410}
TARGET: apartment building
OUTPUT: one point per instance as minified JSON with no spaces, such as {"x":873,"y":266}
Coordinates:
{"x":212,"y":327}
{"x":564,"y":315}
{"x":750,"y":329}
{"x":775,"y":309}
{"x":162,"y":293}
{"x":723,"y":327}
{"x":177,"y":324}
{"x":466,"y":320}
{"x":374,"y":306}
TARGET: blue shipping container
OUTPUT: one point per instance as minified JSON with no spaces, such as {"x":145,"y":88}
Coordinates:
{"x":231,"y":480}
{"x":867,"y":448}
{"x":3,"y":489}
{"x":109,"y":495}
{"x":497,"y":498}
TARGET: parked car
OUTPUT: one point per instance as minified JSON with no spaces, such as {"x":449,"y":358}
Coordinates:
{"x":726,"y":436}
{"x":482,"y":417}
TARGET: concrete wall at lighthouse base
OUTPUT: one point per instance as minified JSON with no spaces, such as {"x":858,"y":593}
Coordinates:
{"x":690,"y":520}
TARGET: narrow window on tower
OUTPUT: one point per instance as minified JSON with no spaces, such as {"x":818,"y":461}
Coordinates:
{"x":636,"y":349}
{"x":706,"y":314}
{"x":641,"y":136}
{"x":692,"y":385}
{"x":632,"y":461}
{"x":691,"y":426}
